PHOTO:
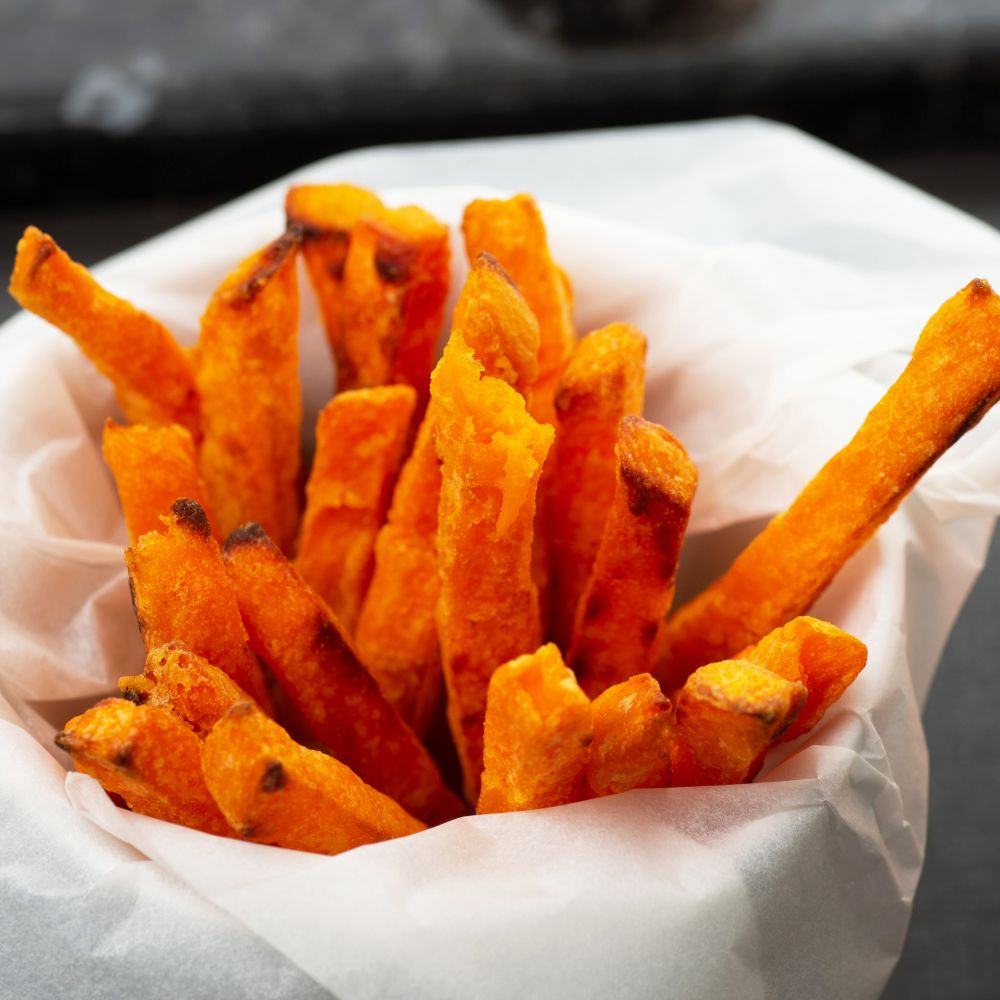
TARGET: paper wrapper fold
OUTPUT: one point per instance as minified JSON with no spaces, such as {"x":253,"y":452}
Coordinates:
{"x":780,"y":284}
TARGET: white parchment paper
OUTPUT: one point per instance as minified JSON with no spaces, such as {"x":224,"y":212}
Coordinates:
{"x":780,"y":284}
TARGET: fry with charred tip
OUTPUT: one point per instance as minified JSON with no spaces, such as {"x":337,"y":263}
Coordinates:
{"x":727,"y":715}
{"x":360,"y":439}
{"x":631,"y":585}
{"x":295,"y":634}
{"x":538,"y":735}
{"x":248,"y":377}
{"x":951,"y":381}
{"x":274,"y":791}
{"x":602,"y":383}
{"x":152,"y":374}
{"x":149,"y":757}
{"x":181,"y":592}
{"x":492,"y":453}
{"x":152,"y":466}
{"x":396,"y":635}
{"x":633,"y":731}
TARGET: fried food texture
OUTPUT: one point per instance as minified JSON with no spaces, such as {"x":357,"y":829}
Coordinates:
{"x":152,"y":466}
{"x":631,"y":585}
{"x":951,"y":381}
{"x":293,"y":631}
{"x":152,"y":374}
{"x":248,"y":377}
{"x":602,"y":383}
{"x":538,"y":735}
{"x":149,"y":757}
{"x":181,"y":592}
{"x":360,"y":439}
{"x":274,"y":791}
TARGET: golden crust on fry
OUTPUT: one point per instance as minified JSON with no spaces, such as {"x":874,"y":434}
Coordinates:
{"x":360,"y":439}
{"x":146,"y":755}
{"x":152,"y":466}
{"x":248,"y":376}
{"x":274,"y":791}
{"x":181,"y":592}
{"x":152,"y":374}
{"x":633,"y":730}
{"x":295,"y":634}
{"x":631,"y":585}
{"x":952,"y":380}
{"x":538,"y":734}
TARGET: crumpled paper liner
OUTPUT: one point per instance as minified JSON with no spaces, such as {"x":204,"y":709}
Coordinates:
{"x":780,"y":284}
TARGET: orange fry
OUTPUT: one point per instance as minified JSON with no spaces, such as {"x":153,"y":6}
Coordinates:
{"x":633,"y":730}
{"x":149,"y":757}
{"x":152,"y":466}
{"x":248,"y":376}
{"x":152,"y":374}
{"x":360,"y":438}
{"x":274,"y":791}
{"x":728,"y":714}
{"x":602,"y":383}
{"x":294,"y":633}
{"x":632,"y":584}
{"x":181,"y":592}
{"x":823,"y":657}
{"x":492,"y":454}
{"x":952,"y":380}
{"x":538,"y":733}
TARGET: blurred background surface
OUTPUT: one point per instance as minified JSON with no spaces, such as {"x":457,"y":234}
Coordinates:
{"x":119,"y":119}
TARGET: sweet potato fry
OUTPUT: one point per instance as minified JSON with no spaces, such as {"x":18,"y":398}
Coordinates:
{"x":274,"y":791}
{"x":491,"y":453}
{"x":248,"y":377}
{"x":952,"y":380}
{"x":632,"y":583}
{"x":602,"y":383}
{"x":177,"y":679}
{"x":360,"y":438}
{"x":538,"y":733}
{"x":394,"y":288}
{"x":728,"y":713}
{"x":149,"y":757}
{"x":294,"y":633}
{"x":152,"y":374}
{"x":152,"y":466}
{"x":396,"y":635}
{"x":823,"y":657}
{"x":633,"y":730}
{"x":181,"y":592}
{"x":514,"y":233}
{"x":326,"y":215}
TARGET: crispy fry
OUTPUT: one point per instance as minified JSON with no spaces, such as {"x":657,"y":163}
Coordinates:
{"x":632,"y":583}
{"x":492,"y":453}
{"x":728,"y":713}
{"x":633,"y":730}
{"x":602,"y":383}
{"x":149,"y":757}
{"x":394,"y":288}
{"x":181,"y":592}
{"x":326,"y":214}
{"x":951,"y":381}
{"x":152,"y":466}
{"x":276,"y":792}
{"x":538,"y":733}
{"x":360,"y":438}
{"x":396,"y":636}
{"x":295,"y":634}
{"x":248,"y":376}
{"x":152,"y":374}
{"x":823,"y":657}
